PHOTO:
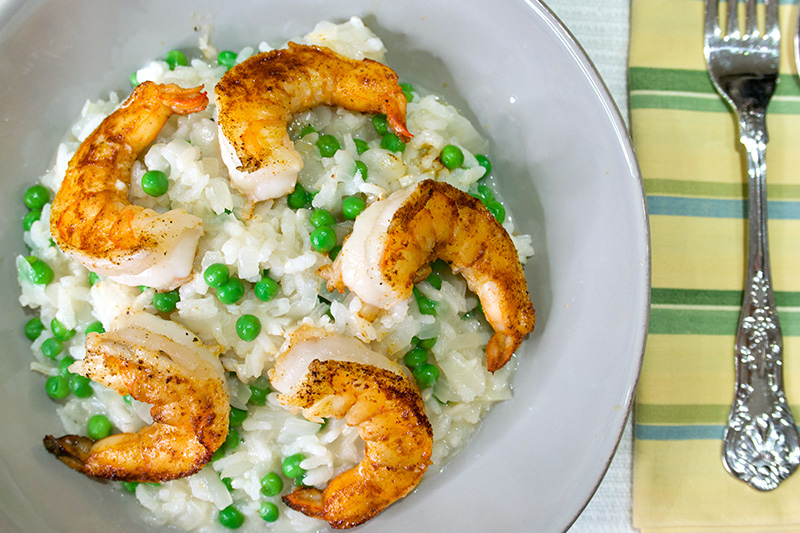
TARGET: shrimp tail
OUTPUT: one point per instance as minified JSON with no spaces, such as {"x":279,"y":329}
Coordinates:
{"x":398,"y":124}
{"x":307,"y":500}
{"x":500,"y":349}
{"x":72,"y":450}
{"x":183,"y":101}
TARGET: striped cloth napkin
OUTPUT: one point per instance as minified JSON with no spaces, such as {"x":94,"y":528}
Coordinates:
{"x":695,"y":180}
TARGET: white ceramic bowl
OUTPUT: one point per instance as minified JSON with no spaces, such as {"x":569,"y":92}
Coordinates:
{"x":564,"y":164}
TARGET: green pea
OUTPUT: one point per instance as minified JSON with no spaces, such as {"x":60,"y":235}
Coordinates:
{"x":321,"y":217}
{"x":271,"y":484}
{"x":298,"y":198}
{"x":60,"y":331}
{"x":128,"y":399}
{"x":435,"y":280}
{"x":268,"y":511}
{"x":426,"y":375}
{"x":228,"y":482}
{"x":307,"y":129}
{"x":407,"y":89}
{"x":416,"y":357}
{"x":484,"y":193}
{"x":155,"y":183}
{"x":166,"y":302}
{"x":232,"y":441}
{"x":352,"y":206}
{"x":216,"y":275}
{"x":63,"y":366}
{"x":81,"y":386}
{"x":334,"y":252}
{"x":31,"y":217}
{"x":57,"y":387}
{"x":231,"y":517}
{"x":93,"y":278}
{"x":266,"y":288}
{"x":231,"y":291}
{"x":36,"y":197}
{"x":439,"y":266}
{"x":130,"y":486}
{"x":291,"y":466}
{"x":485,"y":163}
{"x":427,"y":343}
{"x":425,"y":304}
{"x":497,"y":209}
{"x":133,"y":79}
{"x":259,"y":391}
{"x":381,"y":124}
{"x":220,"y":453}
{"x":361,"y":170}
{"x":237,"y":416}
{"x":95,"y":327}
{"x":323,"y":239}
{"x":52,"y":347}
{"x":361,"y":146}
{"x":226,"y":58}
{"x":328,"y":145}
{"x":98,"y":427}
{"x":41,"y":273}
{"x":175,"y":58}
{"x":34,"y":328}
{"x":248,"y":327}
{"x":393,"y":143}
{"x":452,"y":156}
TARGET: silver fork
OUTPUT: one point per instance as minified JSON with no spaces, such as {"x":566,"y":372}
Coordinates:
{"x":761,"y":445}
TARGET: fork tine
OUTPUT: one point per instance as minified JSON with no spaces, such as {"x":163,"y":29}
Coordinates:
{"x":771,"y":26}
{"x":712,"y":18}
{"x":751,"y":26}
{"x":733,"y":18}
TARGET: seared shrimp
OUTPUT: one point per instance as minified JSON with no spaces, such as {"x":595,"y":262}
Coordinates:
{"x":394,"y":240}
{"x":92,"y":218}
{"x":328,"y":375}
{"x":256,"y":100}
{"x":160,"y":363}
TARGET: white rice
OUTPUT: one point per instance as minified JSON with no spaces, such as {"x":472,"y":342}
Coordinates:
{"x":276,"y":238}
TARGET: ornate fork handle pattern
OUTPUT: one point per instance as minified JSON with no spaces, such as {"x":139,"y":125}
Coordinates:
{"x":761,"y":443}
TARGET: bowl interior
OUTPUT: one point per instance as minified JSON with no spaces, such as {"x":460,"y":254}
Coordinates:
{"x":563,"y":164}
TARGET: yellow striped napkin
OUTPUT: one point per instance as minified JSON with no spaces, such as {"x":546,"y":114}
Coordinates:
{"x":694,"y":174}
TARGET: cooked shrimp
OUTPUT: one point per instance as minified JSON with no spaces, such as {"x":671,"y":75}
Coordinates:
{"x":160,"y":363}
{"x":328,"y":375}
{"x":92,"y":218}
{"x":256,"y":100}
{"x":394,"y":240}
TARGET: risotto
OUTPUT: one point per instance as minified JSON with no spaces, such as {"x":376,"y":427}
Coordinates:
{"x":276,"y":256}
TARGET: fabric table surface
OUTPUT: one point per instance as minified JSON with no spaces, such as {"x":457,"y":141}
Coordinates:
{"x":695,"y":177}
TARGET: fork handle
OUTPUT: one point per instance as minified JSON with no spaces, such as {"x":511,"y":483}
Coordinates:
{"x":761,"y":440}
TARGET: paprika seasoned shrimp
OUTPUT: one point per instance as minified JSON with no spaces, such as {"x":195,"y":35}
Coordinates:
{"x":160,"y":363}
{"x":395,"y":239}
{"x":329,"y":375}
{"x":92,"y":218}
{"x":257,"y":98}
